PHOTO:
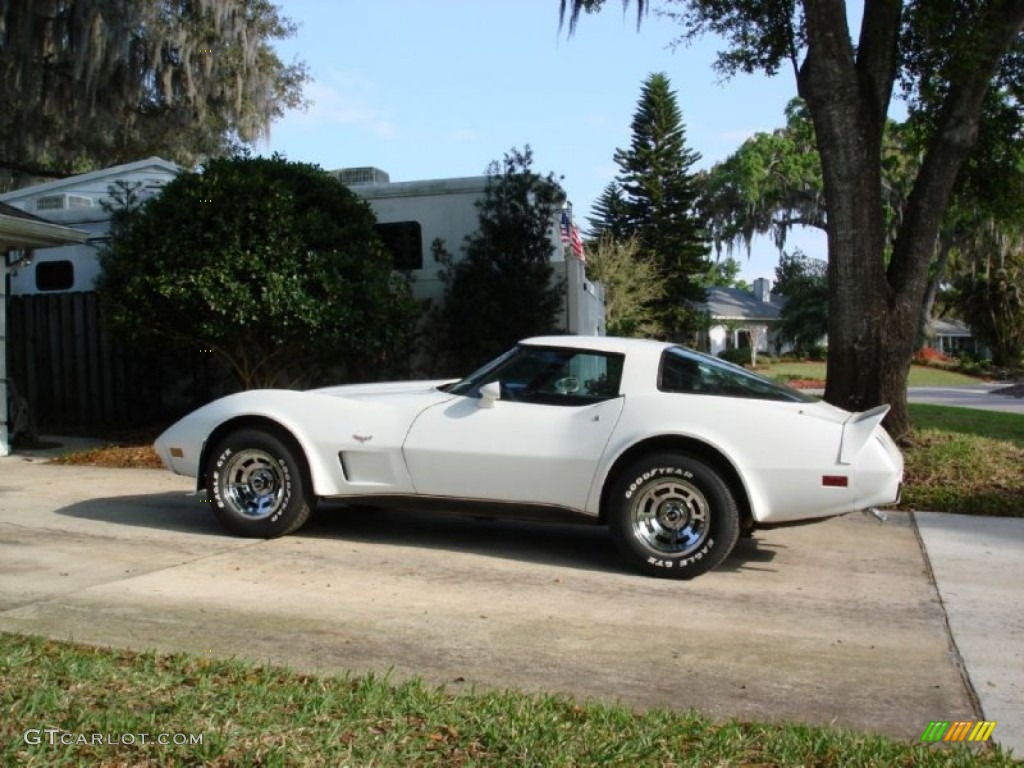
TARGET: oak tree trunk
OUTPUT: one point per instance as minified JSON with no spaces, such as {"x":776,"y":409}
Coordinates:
{"x":874,"y":308}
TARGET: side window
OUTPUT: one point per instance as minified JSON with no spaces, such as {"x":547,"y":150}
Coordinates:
{"x":598,"y":375}
{"x":567,"y":377}
{"x":404,"y":240}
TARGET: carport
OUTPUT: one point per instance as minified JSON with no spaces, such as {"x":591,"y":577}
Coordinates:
{"x":20,"y":232}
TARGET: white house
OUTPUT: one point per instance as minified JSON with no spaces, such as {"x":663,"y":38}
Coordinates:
{"x":954,"y":339}
{"x":77,"y":202}
{"x":741,"y":318}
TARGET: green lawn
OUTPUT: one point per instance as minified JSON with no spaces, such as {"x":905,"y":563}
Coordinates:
{"x":246,"y":715}
{"x":965,"y":460}
{"x":920,"y":375}
{"x":969,"y":421}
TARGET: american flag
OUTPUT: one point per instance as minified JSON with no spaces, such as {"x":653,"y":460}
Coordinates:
{"x":571,"y":236}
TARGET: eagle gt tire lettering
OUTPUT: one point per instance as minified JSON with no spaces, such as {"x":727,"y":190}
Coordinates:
{"x":259,"y":486}
{"x":673,"y":516}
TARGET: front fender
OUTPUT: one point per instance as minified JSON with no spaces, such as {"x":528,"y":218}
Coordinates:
{"x":322,"y":425}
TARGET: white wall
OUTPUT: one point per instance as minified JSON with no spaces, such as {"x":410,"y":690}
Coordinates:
{"x":84,"y":259}
{"x":444,"y":208}
{"x":151,"y":174}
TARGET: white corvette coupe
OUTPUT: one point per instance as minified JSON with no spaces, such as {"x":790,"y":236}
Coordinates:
{"x":675,"y":451}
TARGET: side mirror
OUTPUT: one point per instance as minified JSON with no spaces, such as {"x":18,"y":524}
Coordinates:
{"x":489,"y":394}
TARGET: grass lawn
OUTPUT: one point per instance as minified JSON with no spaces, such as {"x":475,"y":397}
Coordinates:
{"x":246,"y":715}
{"x":965,"y":460}
{"x":920,"y":375}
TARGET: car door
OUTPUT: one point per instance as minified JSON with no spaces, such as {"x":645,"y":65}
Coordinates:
{"x":539,"y":443}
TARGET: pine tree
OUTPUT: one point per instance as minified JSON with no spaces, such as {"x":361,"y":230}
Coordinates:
{"x":609,"y":217}
{"x":502,"y":291}
{"x":659,"y":190}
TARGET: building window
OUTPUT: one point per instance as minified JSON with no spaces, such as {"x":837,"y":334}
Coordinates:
{"x":54,"y":275}
{"x":404,"y":239}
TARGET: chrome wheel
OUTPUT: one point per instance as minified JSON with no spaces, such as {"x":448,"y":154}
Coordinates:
{"x":254,"y":484}
{"x":671,"y":517}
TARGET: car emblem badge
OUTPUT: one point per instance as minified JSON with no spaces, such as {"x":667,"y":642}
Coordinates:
{"x":362,"y":438}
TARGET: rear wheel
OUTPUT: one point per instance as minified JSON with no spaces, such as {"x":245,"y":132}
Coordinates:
{"x":258,"y":485}
{"x":673,"y":516}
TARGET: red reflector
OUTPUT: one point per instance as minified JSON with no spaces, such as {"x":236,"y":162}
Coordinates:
{"x":835,"y":481}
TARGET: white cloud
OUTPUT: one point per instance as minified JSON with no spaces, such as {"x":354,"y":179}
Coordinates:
{"x":343,"y":100}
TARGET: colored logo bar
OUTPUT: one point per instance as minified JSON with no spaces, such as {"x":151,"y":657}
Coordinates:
{"x":958,"y":730}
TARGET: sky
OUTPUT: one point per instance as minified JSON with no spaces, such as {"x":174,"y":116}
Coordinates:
{"x":438,"y":89}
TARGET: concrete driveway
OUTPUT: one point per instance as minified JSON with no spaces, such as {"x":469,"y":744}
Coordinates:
{"x":837,"y":622}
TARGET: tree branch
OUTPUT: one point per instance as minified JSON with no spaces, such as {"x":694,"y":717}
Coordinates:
{"x":955,"y":136}
{"x":877,"y":52}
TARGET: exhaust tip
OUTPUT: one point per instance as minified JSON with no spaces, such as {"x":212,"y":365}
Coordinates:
{"x":878,"y":514}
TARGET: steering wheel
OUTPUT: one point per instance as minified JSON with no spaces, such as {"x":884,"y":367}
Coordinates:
{"x":567,"y":385}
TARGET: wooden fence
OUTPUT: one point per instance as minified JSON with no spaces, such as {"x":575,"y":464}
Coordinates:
{"x":69,"y":369}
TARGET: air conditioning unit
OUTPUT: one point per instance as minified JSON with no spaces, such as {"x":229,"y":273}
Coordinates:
{"x":63,"y":202}
{"x":365,"y":175}
{"x":149,"y":189}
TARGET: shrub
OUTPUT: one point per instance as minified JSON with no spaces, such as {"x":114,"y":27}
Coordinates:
{"x":274,"y":268}
{"x":737,"y":355}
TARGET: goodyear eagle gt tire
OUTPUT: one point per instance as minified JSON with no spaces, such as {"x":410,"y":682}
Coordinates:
{"x":258,"y":485}
{"x":673,"y":516}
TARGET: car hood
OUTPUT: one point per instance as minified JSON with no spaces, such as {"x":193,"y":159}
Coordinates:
{"x":383,"y":390}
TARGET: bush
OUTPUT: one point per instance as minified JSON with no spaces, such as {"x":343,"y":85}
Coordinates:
{"x":737,"y":355}
{"x":272,"y":268}
{"x":928,"y":355}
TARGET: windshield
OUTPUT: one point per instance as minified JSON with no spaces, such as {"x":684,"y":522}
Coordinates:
{"x":479,"y":377}
{"x":686,"y":371}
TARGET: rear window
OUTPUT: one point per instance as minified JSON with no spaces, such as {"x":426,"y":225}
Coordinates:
{"x":685,"y":371}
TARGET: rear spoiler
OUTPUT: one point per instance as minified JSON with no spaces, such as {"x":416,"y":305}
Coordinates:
{"x":857,"y":430}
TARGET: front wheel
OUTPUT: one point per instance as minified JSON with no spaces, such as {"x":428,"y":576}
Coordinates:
{"x":673,"y":516}
{"x":258,"y":485}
